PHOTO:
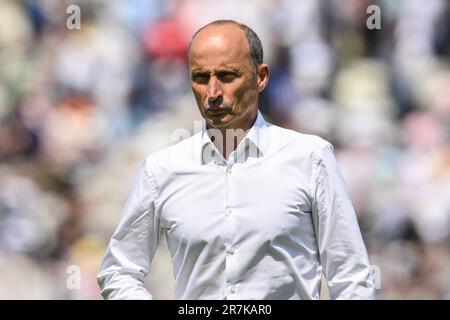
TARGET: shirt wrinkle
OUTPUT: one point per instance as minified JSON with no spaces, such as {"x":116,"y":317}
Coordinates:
{"x":256,"y":226}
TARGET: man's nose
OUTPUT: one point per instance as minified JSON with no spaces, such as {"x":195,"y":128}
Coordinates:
{"x":214,"y":91}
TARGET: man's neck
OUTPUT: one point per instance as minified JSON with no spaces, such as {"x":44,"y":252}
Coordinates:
{"x":231,"y":140}
{"x":231,"y":137}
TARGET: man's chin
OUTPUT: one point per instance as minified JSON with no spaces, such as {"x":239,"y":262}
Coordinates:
{"x":219,"y":123}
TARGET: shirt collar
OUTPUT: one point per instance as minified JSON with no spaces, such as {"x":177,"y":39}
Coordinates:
{"x":255,"y":140}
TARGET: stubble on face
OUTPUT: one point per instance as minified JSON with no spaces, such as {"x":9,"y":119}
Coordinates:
{"x":223,"y":77}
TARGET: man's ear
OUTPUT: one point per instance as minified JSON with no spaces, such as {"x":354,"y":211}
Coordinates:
{"x":263,"y":76}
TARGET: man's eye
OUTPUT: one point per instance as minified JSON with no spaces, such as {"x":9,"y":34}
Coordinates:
{"x":201,"y":78}
{"x":227,"y":77}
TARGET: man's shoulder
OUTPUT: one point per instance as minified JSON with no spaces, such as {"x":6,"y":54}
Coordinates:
{"x":177,"y":153}
{"x":295,"y":140}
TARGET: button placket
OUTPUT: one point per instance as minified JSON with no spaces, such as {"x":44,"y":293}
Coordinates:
{"x":229,"y":227}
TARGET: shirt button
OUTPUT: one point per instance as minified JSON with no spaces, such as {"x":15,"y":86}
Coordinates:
{"x":228,"y":211}
{"x":233,"y":290}
{"x":231,"y":250}
{"x":228,"y":169}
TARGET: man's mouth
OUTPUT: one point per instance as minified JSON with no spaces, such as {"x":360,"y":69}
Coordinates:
{"x":216,"y":112}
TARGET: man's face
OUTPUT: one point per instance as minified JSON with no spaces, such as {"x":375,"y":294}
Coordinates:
{"x":224,"y":79}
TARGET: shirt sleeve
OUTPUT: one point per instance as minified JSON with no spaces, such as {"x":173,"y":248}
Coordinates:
{"x":343,"y":255}
{"x":133,"y":244}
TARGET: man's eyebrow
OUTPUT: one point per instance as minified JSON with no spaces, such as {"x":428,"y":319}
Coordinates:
{"x":199,"y":72}
{"x":224,"y":71}
{"x":228,"y":71}
{"x":221,"y":70}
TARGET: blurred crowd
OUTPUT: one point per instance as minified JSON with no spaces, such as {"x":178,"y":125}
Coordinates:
{"x":80,"y":109}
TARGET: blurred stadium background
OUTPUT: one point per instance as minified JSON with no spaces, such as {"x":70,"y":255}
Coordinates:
{"x":80,"y":109}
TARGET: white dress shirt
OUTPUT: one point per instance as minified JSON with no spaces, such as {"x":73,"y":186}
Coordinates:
{"x":262,"y":224}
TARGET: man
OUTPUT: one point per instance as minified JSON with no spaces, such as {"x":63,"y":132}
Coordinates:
{"x":250,"y":210}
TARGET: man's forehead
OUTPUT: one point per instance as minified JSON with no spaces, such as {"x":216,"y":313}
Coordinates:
{"x":215,"y":34}
{"x":214,"y":39}
{"x":219,"y":45}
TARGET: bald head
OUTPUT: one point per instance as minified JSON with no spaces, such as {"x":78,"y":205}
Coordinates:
{"x":230,"y":29}
{"x":226,"y":78}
